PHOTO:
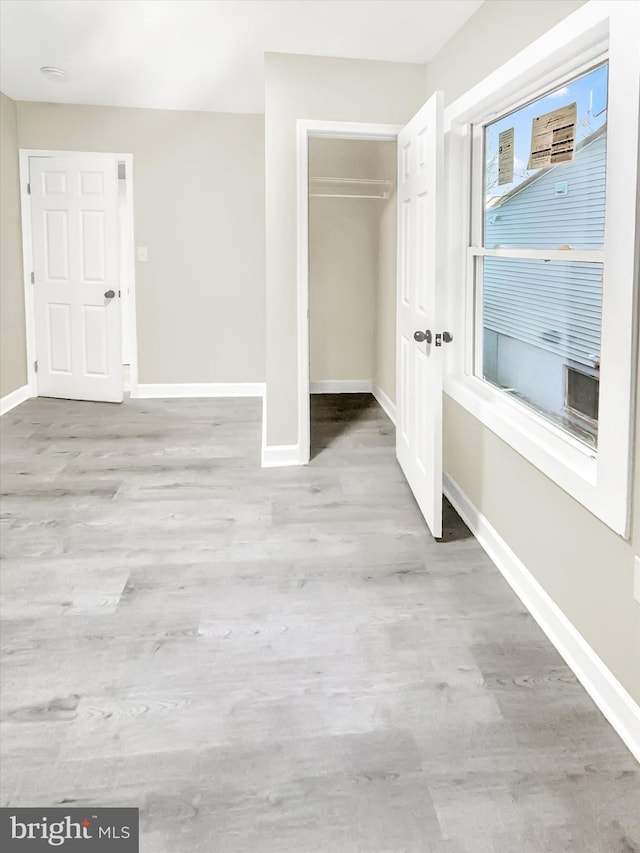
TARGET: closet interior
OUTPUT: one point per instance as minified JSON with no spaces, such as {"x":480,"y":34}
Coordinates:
{"x":352,"y":282}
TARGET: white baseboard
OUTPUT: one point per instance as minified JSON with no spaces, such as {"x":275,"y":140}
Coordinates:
{"x":599,"y":682}
{"x":341,"y":386}
{"x":10,"y":401}
{"x":199,"y":389}
{"x":385,"y":402}
{"x":279,"y":455}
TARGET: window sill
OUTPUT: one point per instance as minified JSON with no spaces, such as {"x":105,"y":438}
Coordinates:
{"x":563,"y":459}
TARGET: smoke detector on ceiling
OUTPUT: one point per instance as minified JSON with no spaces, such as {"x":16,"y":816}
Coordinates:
{"x":53,"y":73}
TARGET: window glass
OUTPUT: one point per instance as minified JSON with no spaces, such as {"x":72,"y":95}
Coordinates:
{"x":541,"y":337}
{"x":560,"y":203}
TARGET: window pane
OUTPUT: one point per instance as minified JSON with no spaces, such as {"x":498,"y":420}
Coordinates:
{"x":541,"y":337}
{"x":559,"y":205}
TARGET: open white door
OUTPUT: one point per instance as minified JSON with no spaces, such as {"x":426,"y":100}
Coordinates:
{"x":420,"y":308}
{"x":76,"y":276}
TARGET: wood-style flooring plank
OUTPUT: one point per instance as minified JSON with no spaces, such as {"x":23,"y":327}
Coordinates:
{"x":279,"y":660}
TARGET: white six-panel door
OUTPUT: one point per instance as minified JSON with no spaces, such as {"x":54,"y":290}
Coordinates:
{"x":74,"y":226}
{"x":419,"y":308}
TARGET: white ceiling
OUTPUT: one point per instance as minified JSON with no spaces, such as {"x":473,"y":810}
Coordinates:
{"x":202,"y":54}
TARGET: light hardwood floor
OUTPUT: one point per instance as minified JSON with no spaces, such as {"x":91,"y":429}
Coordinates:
{"x":281,"y":659}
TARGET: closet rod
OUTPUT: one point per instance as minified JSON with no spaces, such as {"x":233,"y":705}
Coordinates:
{"x":347,"y":195}
{"x":351,"y":188}
{"x":355,"y":181}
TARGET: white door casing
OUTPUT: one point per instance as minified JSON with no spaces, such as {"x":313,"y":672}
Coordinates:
{"x":420,"y":304}
{"x":74,"y":222}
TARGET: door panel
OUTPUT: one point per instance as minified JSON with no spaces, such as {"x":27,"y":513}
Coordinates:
{"x":96,"y":351}
{"x":404,"y":255}
{"x":59,"y":338}
{"x":92,"y":242}
{"x":74,"y":217}
{"x":420,"y":302}
{"x":56,"y":245}
{"x":91,"y":183}
{"x":54,"y":183}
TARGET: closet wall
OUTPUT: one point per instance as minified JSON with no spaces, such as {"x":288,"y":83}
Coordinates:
{"x":384,"y":374}
{"x":352,"y":263}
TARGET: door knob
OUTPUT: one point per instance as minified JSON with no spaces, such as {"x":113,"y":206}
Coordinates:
{"x":109,"y":294}
{"x":422,"y":336}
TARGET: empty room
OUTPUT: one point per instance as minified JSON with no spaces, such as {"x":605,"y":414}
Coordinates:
{"x":319,"y":434}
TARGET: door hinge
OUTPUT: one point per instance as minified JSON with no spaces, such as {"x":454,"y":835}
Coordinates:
{"x":35,"y":366}
{"x":28,"y":189}
{"x":33,"y":278}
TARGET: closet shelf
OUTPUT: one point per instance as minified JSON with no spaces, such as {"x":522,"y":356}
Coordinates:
{"x":322,"y":187}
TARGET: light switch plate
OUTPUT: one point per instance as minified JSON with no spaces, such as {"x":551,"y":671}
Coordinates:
{"x":142,"y":253}
{"x":636,"y":579}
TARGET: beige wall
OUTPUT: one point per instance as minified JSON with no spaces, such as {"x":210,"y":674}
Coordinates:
{"x":384,"y":374}
{"x":13,"y":357}
{"x":199,"y":208}
{"x":385,"y":340}
{"x":343,"y":275}
{"x":347,"y":158}
{"x":312,"y":88}
{"x":585,"y":567}
{"x":495,"y":33}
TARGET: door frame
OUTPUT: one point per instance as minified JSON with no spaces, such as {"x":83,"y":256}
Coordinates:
{"x":27,"y":260}
{"x":306,"y":129}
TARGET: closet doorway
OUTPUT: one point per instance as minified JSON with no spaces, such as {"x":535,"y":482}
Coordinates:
{"x":349,"y":197}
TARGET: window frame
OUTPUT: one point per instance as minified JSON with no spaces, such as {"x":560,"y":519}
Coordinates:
{"x":599,"y":31}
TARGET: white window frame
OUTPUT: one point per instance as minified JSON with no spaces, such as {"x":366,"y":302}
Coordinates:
{"x":600,"y":480}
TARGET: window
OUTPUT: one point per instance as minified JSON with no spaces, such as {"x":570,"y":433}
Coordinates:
{"x":542,"y":186}
{"x":535,"y":315}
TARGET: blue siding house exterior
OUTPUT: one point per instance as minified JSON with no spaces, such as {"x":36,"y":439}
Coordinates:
{"x":540,"y":316}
